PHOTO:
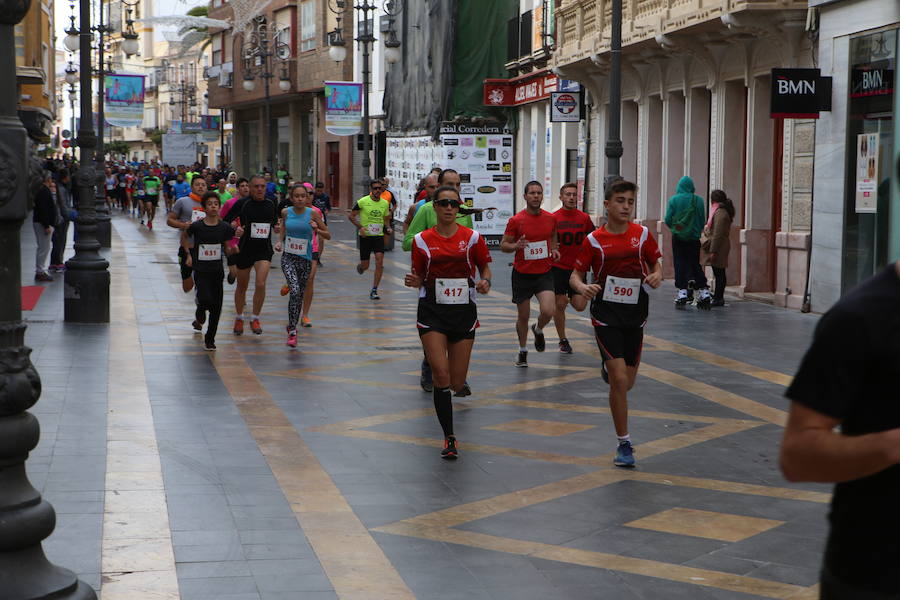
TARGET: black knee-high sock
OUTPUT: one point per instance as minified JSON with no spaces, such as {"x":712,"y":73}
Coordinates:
{"x":443,"y":406}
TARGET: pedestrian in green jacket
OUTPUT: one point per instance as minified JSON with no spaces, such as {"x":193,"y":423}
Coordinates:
{"x":686,"y":216}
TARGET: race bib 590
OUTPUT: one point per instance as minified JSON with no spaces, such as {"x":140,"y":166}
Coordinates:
{"x":622,"y":290}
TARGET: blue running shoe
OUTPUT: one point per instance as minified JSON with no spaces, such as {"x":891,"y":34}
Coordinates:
{"x":624,"y":455}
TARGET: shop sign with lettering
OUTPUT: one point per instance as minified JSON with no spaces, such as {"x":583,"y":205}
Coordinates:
{"x":799,"y":93}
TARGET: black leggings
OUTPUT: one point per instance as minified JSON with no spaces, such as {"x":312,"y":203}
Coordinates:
{"x":296,"y":271}
{"x":719,"y":274}
{"x":686,"y":256}
{"x":209,"y":298}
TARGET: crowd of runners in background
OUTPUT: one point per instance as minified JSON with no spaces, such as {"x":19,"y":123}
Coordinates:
{"x":231,"y":227}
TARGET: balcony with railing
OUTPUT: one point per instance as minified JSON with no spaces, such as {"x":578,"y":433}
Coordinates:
{"x":583,"y":26}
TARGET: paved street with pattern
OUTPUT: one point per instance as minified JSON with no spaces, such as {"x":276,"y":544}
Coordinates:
{"x":264,"y":473}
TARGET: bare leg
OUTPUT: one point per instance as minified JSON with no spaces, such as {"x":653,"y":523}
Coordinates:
{"x":547,"y":302}
{"x":379,"y":269}
{"x":621,"y":380}
{"x":559,"y":317}
{"x":259,"y":293}
{"x":524,"y":312}
{"x":240,"y":290}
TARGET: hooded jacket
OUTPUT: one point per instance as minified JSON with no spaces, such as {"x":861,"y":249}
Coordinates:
{"x":685,"y":212}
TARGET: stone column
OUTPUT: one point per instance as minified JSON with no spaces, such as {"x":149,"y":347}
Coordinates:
{"x":756,"y":238}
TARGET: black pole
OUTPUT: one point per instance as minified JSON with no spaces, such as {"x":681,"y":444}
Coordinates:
{"x":613,"y":138}
{"x":104,"y":225}
{"x":367,"y":38}
{"x":222,"y":139}
{"x":26,"y":519}
{"x":87,"y":277}
{"x":267,"y":76}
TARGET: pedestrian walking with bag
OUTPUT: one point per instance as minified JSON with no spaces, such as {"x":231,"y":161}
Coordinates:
{"x":685,"y":216}
{"x":716,"y":241}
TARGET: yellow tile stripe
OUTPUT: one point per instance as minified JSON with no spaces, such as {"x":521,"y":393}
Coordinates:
{"x":717,"y":395}
{"x":352,"y":560}
{"x":137,"y":560}
{"x":625,"y":564}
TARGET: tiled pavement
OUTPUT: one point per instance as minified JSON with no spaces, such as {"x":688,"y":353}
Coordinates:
{"x":262,"y":473}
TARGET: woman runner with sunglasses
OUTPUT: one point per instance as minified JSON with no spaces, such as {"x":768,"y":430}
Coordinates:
{"x":444,"y":259}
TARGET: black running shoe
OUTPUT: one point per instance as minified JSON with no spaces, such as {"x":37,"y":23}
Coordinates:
{"x":197,"y":325}
{"x":464,"y":391}
{"x":425,"y":377}
{"x":539,"y":342}
{"x":565,"y":347}
{"x":450,"y":451}
{"x":210,"y":346}
{"x":231,"y":279}
{"x":522,"y":360}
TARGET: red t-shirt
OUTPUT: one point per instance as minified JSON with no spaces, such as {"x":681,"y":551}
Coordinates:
{"x":538,"y":231}
{"x":572,"y":226}
{"x":627,"y":255}
{"x":435,"y":256}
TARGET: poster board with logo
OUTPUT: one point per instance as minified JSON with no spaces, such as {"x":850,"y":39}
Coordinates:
{"x":483,"y":157}
{"x":867,"y":155}
{"x":407,"y":161}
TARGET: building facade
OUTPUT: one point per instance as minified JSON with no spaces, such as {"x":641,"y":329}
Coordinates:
{"x":696,"y":83}
{"x":295,"y":32}
{"x":856,"y":223}
{"x":36,"y":71}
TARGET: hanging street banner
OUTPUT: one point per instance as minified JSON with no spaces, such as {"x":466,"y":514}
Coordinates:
{"x":210,"y":125}
{"x":124,"y":100}
{"x":343,"y":107}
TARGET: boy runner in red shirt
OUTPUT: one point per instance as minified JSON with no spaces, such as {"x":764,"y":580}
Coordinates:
{"x":626,"y":261}
{"x":572,"y":226}
{"x":531,"y":234}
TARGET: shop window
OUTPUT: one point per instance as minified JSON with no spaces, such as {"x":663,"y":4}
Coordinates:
{"x":307,"y":25}
{"x":870,"y":155}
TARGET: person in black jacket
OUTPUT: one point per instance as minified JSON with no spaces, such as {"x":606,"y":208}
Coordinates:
{"x":44,"y":220}
{"x":66,"y":208}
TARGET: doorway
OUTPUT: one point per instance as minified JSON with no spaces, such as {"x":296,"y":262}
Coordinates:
{"x":333,"y":173}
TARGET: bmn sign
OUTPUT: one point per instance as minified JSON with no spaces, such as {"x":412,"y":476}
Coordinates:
{"x":799,"y":93}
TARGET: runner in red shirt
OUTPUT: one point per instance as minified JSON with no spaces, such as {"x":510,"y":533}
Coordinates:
{"x":572,"y":226}
{"x":531,"y":234}
{"x":444,"y":260}
{"x":626,"y":263}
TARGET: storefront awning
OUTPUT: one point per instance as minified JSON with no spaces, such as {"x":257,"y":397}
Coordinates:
{"x":531,"y":87}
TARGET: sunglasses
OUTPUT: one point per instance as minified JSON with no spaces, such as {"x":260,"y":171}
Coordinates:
{"x":377,"y":187}
{"x":448,"y":202}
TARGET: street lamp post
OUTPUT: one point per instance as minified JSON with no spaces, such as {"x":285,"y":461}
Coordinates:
{"x":26,"y":519}
{"x":613,"y":139}
{"x":104,"y":224}
{"x":365,"y":38}
{"x":87,"y":274}
{"x":260,"y":54}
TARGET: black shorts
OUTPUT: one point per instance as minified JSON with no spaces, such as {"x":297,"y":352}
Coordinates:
{"x":154,"y":200}
{"x":526,"y":285}
{"x":369,"y":244}
{"x":245,"y":260}
{"x":186,"y":271}
{"x":620,"y":342}
{"x":316,"y":255}
{"x":561,"y":281}
{"x":457,"y":322}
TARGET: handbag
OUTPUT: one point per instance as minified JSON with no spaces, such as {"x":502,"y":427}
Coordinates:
{"x":706,"y":240}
